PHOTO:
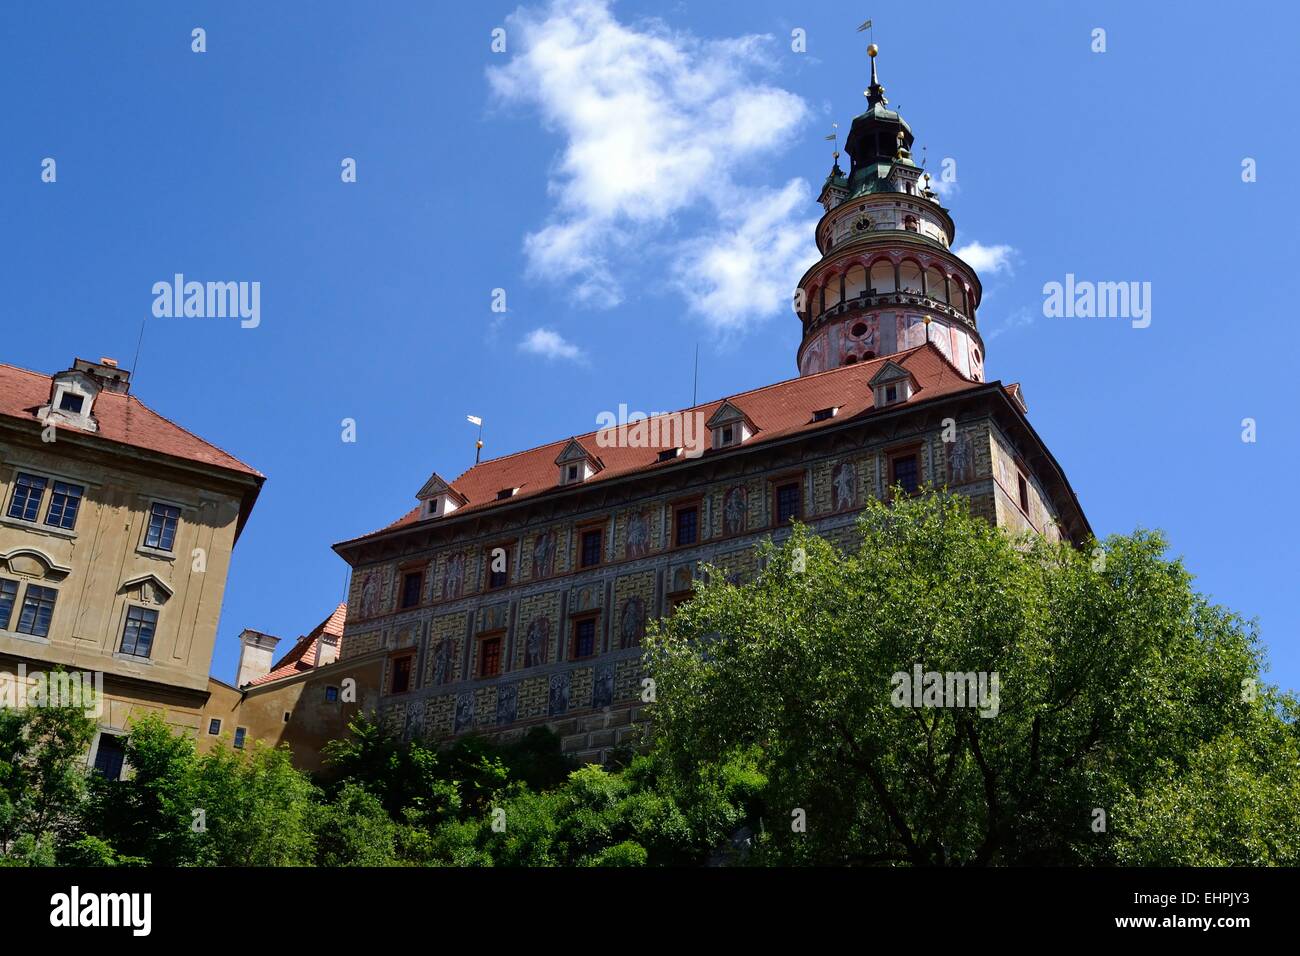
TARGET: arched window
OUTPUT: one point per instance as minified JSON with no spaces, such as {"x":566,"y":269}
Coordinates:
{"x":935,"y":286}
{"x":855,"y":282}
{"x":882,"y":275}
{"x":909,"y":276}
{"x":832,"y":292}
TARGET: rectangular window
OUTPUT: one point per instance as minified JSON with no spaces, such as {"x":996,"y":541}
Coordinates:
{"x":1024,"y":493}
{"x":787,"y":503}
{"x":489,"y":657}
{"x":240,"y":734}
{"x":38,"y":608}
{"x":110,"y":755}
{"x":286,"y":716}
{"x":214,"y":727}
{"x":331,"y":695}
{"x":162,"y":527}
{"x":8,"y":598}
{"x":904,"y":471}
{"x":401,"y":681}
{"x":498,"y":567}
{"x":26,"y":502}
{"x":412,"y":584}
{"x":137,"y":634}
{"x":686,"y":525}
{"x":584,"y":637}
{"x":64,"y":502}
{"x":70,"y":402}
{"x":591,"y":547}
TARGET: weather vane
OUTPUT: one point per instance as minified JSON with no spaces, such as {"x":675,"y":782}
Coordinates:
{"x":834,"y":138}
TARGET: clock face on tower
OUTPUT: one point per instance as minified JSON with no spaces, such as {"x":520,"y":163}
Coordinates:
{"x":861,"y":224}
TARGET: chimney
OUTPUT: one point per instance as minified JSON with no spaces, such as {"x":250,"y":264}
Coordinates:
{"x":255,"y":656}
{"x":106,"y":374}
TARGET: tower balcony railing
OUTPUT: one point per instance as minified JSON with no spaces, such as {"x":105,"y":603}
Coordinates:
{"x":912,"y":299}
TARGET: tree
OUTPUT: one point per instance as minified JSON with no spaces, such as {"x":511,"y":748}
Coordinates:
{"x":1115,"y":681}
{"x":42,"y":780}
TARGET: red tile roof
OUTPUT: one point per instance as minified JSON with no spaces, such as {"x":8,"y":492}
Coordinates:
{"x":777,"y":411}
{"x":123,"y":419}
{"x":302,"y":656}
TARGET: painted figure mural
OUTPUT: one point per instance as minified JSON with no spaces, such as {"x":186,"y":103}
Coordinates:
{"x":733,"y":510}
{"x":453,"y":578}
{"x":442,"y":661}
{"x":507,"y":703}
{"x":370,"y":596}
{"x":544,"y":548}
{"x":464,"y":710}
{"x":844,"y":486}
{"x":961,"y":464}
{"x":631,"y":623}
{"x":559,"y":701}
{"x":638,"y":535}
{"x":602,"y":692}
{"x":537,"y":642}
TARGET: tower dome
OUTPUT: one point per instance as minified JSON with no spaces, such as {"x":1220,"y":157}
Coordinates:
{"x":887,"y":280}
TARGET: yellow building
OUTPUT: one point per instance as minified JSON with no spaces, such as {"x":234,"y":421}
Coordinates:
{"x":116,"y":532}
{"x":304,"y":700}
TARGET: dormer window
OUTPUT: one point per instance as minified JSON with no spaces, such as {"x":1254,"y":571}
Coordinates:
{"x":72,"y":399}
{"x":575,"y":463}
{"x":505,"y":493}
{"x":823,"y":414}
{"x":439,"y":498}
{"x":668,"y":454}
{"x":892,"y":385}
{"x":730,"y":426}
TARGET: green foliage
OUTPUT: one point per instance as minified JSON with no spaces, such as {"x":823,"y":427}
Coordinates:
{"x":42,"y":781}
{"x":222,"y":808}
{"x":1113,"y":675}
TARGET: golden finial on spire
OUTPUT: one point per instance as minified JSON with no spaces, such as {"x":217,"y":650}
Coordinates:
{"x":872,"y":49}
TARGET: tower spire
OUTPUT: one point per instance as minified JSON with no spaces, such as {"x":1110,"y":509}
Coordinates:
{"x":875,"y":93}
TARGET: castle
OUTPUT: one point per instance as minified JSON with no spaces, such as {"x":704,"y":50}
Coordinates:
{"x":517,"y":594}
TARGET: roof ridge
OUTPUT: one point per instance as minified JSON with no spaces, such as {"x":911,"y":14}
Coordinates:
{"x":725,"y":398}
{"x":132,"y":398}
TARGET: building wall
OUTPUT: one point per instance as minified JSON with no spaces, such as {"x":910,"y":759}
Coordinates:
{"x":595,"y":703}
{"x":92,"y":566}
{"x":313,"y":719}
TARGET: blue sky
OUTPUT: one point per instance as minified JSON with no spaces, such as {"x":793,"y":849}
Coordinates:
{"x":640,"y":178}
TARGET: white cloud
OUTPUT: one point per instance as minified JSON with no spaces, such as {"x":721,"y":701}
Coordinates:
{"x":747,"y":268}
{"x":654,"y":123}
{"x":989,"y":260}
{"x":551,"y":345}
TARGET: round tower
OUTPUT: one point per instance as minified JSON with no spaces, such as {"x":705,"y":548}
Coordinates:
{"x":887,"y":279}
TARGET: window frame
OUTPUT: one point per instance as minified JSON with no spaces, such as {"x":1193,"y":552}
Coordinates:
{"x":240,"y":739}
{"x":407,"y":658}
{"x":408,"y":574}
{"x":25,"y":487}
{"x":577,"y":621}
{"x":894,"y":455}
{"x":74,"y":499}
{"x":99,"y":742}
{"x":154,"y":504}
{"x":153,"y":632}
{"x":217,"y":722}
{"x":7,"y":617}
{"x":684,"y":504}
{"x":508,"y":547}
{"x":49,"y":624}
{"x":585,"y":528}
{"x":328,"y":698}
{"x":482,"y":641}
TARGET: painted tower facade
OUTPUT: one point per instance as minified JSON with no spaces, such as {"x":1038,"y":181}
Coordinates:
{"x":887,"y":280}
